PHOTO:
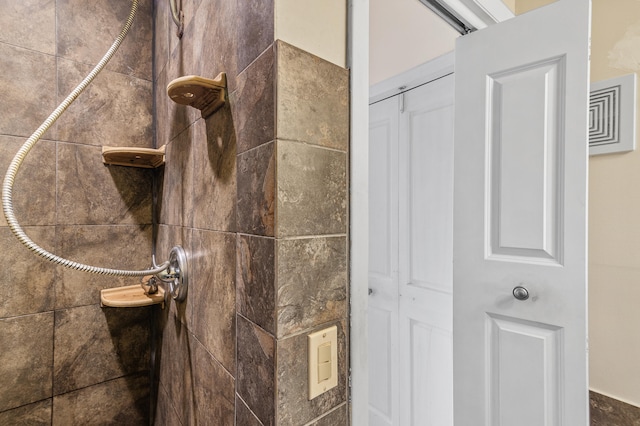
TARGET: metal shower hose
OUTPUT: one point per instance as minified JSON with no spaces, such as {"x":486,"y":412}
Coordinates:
{"x":7,"y":185}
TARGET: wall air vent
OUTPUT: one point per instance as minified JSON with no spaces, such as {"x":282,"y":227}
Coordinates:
{"x":612,"y":115}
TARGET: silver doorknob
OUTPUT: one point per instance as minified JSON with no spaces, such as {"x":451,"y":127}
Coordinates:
{"x":520,"y":293}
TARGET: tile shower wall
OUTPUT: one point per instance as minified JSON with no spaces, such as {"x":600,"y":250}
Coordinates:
{"x":257,"y":193}
{"x":64,"y":360}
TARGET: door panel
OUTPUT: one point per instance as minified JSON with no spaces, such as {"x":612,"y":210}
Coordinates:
{"x":520,"y":220}
{"x":430,"y":382}
{"x":525,"y":115}
{"x":382,"y":133}
{"x":381,"y":398}
{"x":430,"y":186}
{"x":511,"y":340}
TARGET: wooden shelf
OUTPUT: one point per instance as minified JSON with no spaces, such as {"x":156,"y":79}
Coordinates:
{"x":205,"y":94}
{"x":147,"y":158}
{"x":129,"y":297}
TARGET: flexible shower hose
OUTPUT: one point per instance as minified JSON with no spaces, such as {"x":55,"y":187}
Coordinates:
{"x":7,"y":185}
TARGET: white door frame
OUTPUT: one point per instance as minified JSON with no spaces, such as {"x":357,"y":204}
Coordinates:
{"x":358,"y":63}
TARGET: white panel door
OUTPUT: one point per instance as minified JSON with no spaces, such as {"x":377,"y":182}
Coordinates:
{"x":411,"y":240}
{"x":520,"y":220}
{"x":383,"y":263}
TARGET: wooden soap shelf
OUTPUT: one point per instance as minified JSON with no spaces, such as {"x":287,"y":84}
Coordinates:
{"x":148,"y":158}
{"x":130,"y":297}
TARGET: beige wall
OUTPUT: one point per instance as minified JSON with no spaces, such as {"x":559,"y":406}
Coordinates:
{"x":404,"y":34}
{"x":317,"y":26}
{"x":523,"y":6}
{"x":511,"y":4}
{"x":614,"y":221}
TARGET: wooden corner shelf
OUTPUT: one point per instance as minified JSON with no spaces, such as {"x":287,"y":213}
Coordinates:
{"x":147,"y":158}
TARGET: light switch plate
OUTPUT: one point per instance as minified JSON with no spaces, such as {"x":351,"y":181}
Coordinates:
{"x":315,"y":340}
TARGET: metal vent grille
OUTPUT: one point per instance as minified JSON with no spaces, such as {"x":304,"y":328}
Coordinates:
{"x":604,"y":116}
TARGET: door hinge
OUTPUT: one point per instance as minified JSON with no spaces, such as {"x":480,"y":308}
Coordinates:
{"x":401,"y":100}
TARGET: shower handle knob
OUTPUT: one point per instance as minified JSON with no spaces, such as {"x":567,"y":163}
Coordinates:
{"x":520,"y":293}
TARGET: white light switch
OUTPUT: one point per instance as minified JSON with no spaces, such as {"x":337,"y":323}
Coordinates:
{"x":323,"y":361}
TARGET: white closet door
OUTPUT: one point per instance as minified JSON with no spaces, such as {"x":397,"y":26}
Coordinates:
{"x":411,"y":213}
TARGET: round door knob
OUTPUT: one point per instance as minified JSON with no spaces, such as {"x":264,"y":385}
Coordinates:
{"x":520,"y":293}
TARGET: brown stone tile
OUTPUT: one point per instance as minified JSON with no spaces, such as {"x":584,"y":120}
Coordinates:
{"x":312,"y":282}
{"x":312,"y":99}
{"x":606,"y":411}
{"x":30,"y":24}
{"x":94,"y":344}
{"x":124,"y":401}
{"x":213,"y":389}
{"x":91,"y":193}
{"x":163,"y":28}
{"x":256,"y":191}
{"x":255,"y":29}
{"x":175,"y":368}
{"x":26,"y":359}
{"x":253,"y":103}
{"x":165,"y":413}
{"x":256,"y":370}
{"x":120,"y":247}
{"x":161,"y":100}
{"x":181,"y":55}
{"x":28,"y":90}
{"x":312,"y":190}
{"x":244,"y":416}
{"x":255,"y":280}
{"x":36,"y":414}
{"x":214,"y":182}
{"x":176,"y":202}
{"x":34,"y":189}
{"x":181,"y":63}
{"x":115,"y":110}
{"x":190,"y":10}
{"x":337,"y":417}
{"x":213,"y":291}
{"x":87,"y":30}
{"x":31,"y":287}
{"x":294,"y":408}
{"x":214,"y":40}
